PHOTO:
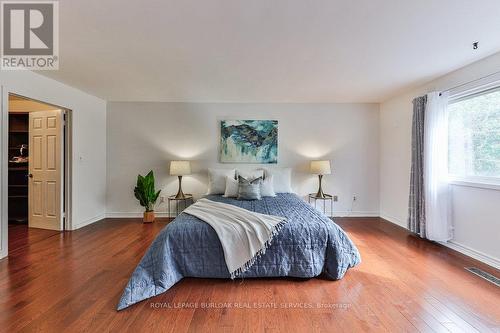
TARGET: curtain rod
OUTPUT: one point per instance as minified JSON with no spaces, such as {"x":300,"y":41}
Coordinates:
{"x":466,"y":83}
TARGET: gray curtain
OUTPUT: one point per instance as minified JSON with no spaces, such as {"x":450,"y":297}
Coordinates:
{"x":416,"y":205}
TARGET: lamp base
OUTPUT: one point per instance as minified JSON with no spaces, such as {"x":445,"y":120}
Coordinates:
{"x":180,"y":194}
{"x":320,"y":193}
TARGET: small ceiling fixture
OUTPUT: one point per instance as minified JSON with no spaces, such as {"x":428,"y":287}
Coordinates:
{"x":475,"y":45}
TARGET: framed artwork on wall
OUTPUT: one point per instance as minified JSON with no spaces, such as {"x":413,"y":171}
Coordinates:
{"x":249,"y":141}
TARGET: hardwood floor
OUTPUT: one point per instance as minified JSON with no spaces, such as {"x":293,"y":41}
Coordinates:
{"x":73,"y":281}
{"x":23,"y":236}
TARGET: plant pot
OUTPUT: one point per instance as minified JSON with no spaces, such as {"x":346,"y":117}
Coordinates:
{"x":149,"y":217}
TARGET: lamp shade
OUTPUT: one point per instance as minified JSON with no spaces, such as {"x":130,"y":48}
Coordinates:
{"x":180,"y":168}
{"x":320,"y":167}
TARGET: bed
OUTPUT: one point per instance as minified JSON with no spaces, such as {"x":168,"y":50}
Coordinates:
{"x":310,"y":244}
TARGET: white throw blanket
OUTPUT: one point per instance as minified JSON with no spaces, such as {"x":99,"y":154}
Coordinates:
{"x":244,"y":235}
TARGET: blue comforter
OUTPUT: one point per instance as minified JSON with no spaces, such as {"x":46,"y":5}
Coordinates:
{"x":308,"y":245}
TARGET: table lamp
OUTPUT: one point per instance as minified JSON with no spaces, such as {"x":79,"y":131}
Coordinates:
{"x":180,"y":168}
{"x":320,"y":168}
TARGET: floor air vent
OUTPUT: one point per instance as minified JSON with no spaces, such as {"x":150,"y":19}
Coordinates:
{"x":484,"y":275}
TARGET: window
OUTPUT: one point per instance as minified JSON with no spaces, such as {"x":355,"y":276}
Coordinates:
{"x":474,"y":137}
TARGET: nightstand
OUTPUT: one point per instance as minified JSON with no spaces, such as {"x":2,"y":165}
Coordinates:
{"x":325,"y":199}
{"x":185,"y":201}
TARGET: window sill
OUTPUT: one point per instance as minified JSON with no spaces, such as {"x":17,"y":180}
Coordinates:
{"x":474,"y":183}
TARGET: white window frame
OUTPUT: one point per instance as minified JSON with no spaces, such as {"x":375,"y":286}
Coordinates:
{"x":467,"y":91}
{"x":490,"y":183}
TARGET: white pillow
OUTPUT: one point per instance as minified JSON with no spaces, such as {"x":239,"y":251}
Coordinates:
{"x":282,"y":179}
{"x":231,"y":187}
{"x":267,"y":187}
{"x":250,"y":175}
{"x":217,"y":180}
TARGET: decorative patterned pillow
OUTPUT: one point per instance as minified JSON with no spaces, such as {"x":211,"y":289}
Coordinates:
{"x":249,"y":189}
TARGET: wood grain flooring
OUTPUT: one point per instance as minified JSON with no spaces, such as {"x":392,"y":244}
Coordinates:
{"x":54,"y":282}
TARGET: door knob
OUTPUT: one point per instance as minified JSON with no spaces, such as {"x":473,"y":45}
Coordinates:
{"x":30,"y":175}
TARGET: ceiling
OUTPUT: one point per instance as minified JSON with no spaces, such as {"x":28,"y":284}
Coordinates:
{"x":268,"y":51}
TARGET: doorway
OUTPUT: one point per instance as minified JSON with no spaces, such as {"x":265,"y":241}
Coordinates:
{"x":38,"y":150}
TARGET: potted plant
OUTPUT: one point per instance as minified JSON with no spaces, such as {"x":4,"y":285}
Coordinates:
{"x":146,"y":194}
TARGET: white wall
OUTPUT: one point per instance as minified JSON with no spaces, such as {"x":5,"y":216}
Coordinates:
{"x":89,"y":142}
{"x":475,"y":210}
{"x":144,"y":136}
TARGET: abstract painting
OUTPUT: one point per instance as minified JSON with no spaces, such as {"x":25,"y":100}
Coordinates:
{"x":249,"y":141}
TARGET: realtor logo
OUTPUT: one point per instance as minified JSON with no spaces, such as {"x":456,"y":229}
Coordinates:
{"x":30,"y":36}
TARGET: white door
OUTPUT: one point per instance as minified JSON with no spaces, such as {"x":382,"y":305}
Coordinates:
{"x":45,"y":170}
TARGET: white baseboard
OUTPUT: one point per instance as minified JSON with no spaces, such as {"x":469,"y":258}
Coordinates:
{"x":88,"y":221}
{"x":164,"y":214}
{"x":122,"y":215}
{"x":465,"y":250}
{"x":353,"y":214}
{"x":478,"y":255}
{"x":452,"y":245}
{"x":393,"y":220}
